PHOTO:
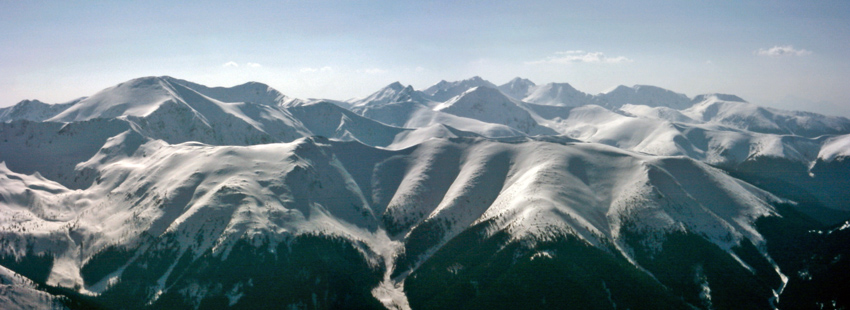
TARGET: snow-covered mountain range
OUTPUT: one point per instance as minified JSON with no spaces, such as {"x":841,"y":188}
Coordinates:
{"x":163,"y":193}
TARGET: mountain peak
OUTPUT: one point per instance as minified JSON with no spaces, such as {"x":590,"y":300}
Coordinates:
{"x":32,"y":110}
{"x":138,"y":97}
{"x":251,"y":91}
{"x":517,"y":88}
{"x":647,"y":95}
{"x":491,"y":105}
{"x":395,"y":92}
{"x":443,"y":90}
{"x":559,"y":94}
{"x":520,"y":80}
{"x":717,"y":96}
{"x":396,"y":86}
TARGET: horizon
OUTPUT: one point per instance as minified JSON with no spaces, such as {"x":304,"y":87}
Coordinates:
{"x":785,"y":55}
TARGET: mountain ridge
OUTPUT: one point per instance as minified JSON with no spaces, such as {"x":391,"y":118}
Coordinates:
{"x":148,"y":193}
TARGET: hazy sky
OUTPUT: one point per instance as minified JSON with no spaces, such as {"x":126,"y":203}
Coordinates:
{"x":786,"y":54}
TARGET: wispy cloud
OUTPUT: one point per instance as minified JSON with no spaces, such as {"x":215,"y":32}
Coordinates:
{"x":322,"y":69}
{"x":782,"y":51}
{"x":375,"y":71}
{"x":577,"y":56}
{"x":233,"y":64}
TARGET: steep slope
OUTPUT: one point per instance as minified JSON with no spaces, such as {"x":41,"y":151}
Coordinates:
{"x":644,"y":95}
{"x":518,"y":88}
{"x":492,"y":106}
{"x":559,"y":94}
{"x":33,"y":110}
{"x":443,"y":90}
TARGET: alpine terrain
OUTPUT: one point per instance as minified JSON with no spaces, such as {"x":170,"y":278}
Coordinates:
{"x":160,"y":193}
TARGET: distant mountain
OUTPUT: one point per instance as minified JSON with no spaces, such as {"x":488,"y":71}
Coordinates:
{"x":165,"y":108}
{"x":559,"y":94}
{"x":735,"y":112}
{"x":644,"y":95}
{"x":414,"y":115}
{"x":331,"y":121}
{"x":251,"y":92}
{"x":394,"y":92}
{"x":518,"y":88}
{"x":443,"y":90}
{"x":490,"y":105}
{"x":33,"y":110}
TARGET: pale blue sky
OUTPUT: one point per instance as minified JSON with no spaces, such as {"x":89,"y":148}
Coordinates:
{"x":787,"y":54}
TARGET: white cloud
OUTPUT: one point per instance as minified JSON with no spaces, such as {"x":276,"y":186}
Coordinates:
{"x":323,"y":69}
{"x":230,"y":64}
{"x":419,"y":69}
{"x":781,"y":51}
{"x":253,"y":65}
{"x":569,"y":57}
{"x":375,"y":71}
